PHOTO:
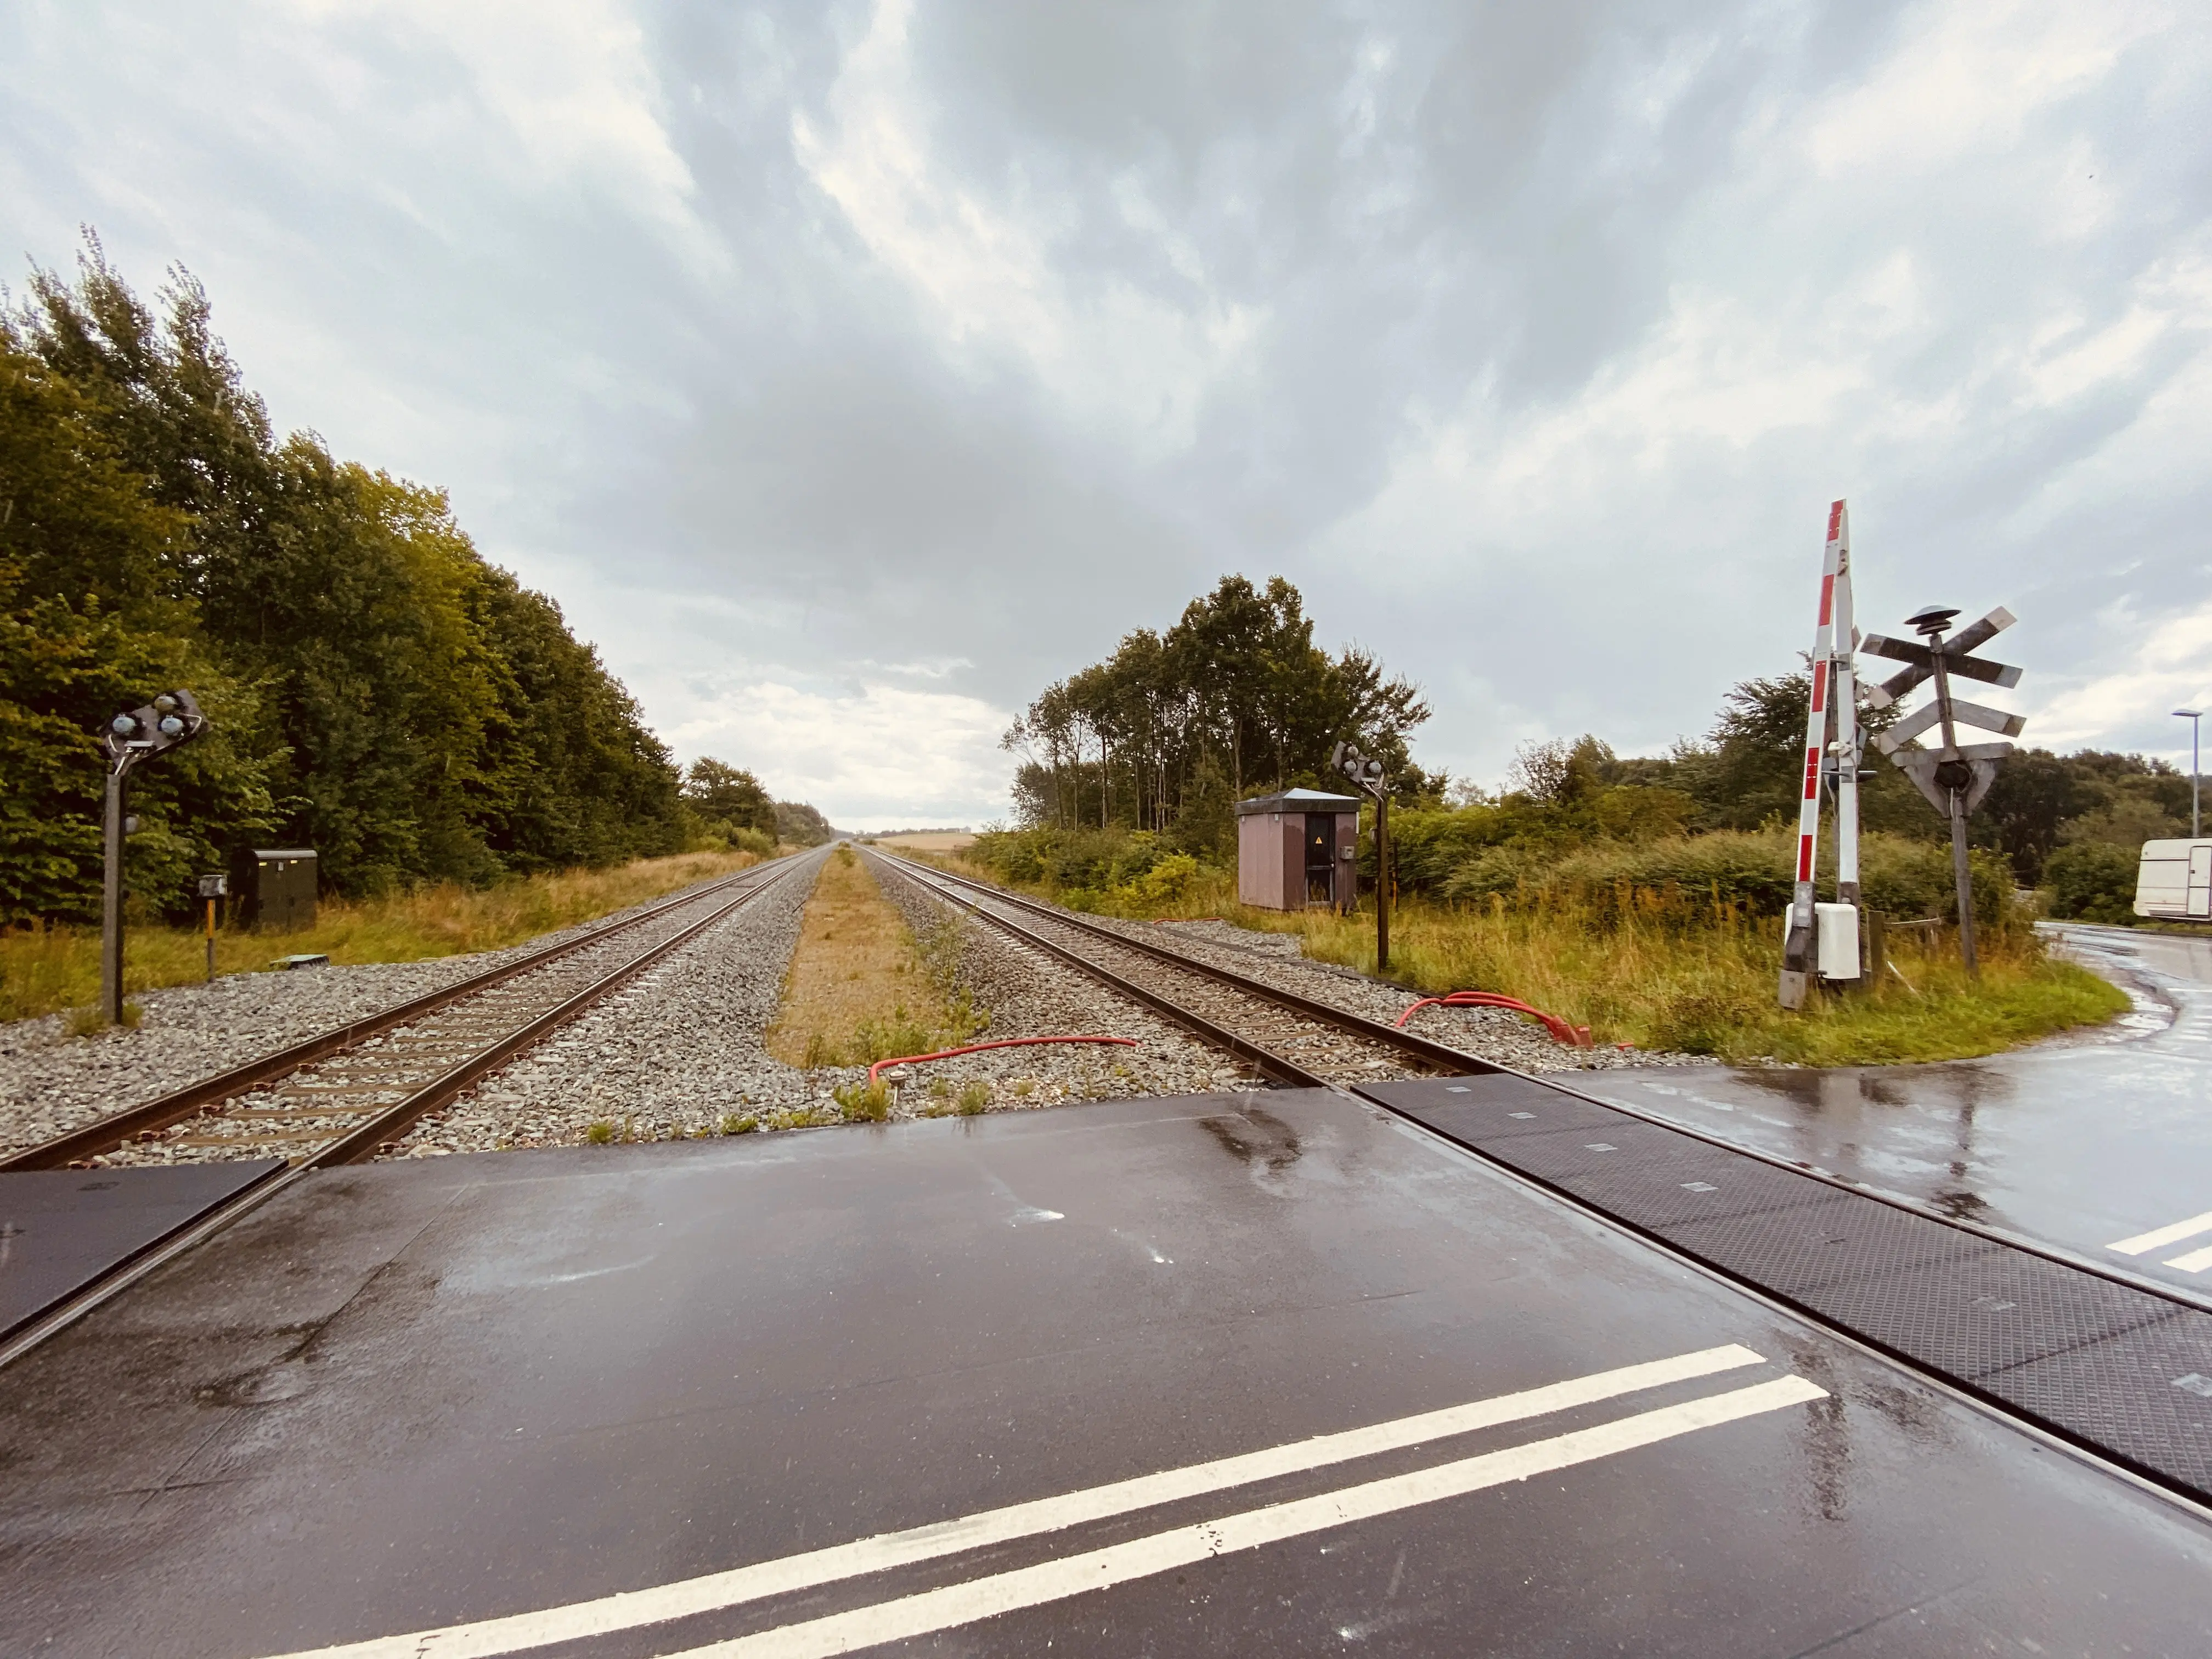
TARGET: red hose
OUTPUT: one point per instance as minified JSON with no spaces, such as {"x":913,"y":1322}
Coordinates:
{"x":978,"y":1047}
{"x":1574,"y":1036}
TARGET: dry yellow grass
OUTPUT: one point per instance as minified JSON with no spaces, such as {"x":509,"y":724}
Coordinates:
{"x":857,"y":989}
{"x":1662,"y":975}
{"x":59,"y":967}
{"x":932,"y":840}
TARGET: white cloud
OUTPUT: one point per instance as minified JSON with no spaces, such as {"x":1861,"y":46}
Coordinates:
{"x":875,"y":756}
{"x":2169,"y":666}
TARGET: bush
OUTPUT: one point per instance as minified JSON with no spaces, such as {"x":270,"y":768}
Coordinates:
{"x":2093,"y":881}
{"x":1704,"y":878}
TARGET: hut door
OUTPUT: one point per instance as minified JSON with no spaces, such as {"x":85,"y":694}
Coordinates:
{"x":1320,"y":858}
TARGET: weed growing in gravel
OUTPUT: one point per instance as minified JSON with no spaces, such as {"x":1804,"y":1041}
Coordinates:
{"x":1024,"y":1087}
{"x":734,"y":1125}
{"x":974,"y":1098}
{"x":91,"y":1022}
{"x":600,"y":1133}
{"x":939,"y":1089}
{"x":864,"y":1102}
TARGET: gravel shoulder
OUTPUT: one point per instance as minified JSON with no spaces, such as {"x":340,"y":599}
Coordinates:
{"x":52,"y":1082}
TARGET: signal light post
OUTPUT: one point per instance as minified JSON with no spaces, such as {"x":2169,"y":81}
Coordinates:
{"x":171,"y":719}
{"x":1956,"y":776}
{"x":1367,"y":773}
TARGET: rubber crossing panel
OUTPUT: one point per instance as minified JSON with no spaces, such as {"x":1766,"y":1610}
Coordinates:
{"x":2101,"y":1363}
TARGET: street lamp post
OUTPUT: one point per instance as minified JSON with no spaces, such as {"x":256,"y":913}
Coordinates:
{"x":2194,"y":717}
{"x":171,"y":719}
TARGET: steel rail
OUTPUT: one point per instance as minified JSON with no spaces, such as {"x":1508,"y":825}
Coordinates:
{"x":1268,"y":1063}
{"x":1440,"y":1054}
{"x":165,"y":1111}
{"x":2049,"y":1432}
{"x":1422,"y":1048}
{"x":356,"y":1145}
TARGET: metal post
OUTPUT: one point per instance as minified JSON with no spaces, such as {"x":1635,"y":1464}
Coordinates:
{"x":110,"y":905}
{"x":2194,"y":717}
{"x":1962,"y":870}
{"x":1382,"y":884}
{"x":210,"y":942}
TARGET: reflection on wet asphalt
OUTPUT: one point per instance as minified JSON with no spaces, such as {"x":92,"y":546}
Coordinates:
{"x":2083,"y":1144}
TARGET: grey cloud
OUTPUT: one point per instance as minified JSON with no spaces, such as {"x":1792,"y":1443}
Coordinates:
{"x":753,"y":444}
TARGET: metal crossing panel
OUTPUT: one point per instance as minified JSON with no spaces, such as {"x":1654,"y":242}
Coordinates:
{"x":2120,"y":1370}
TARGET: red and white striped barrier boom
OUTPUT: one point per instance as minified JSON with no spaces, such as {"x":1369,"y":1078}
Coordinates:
{"x":1831,"y":739}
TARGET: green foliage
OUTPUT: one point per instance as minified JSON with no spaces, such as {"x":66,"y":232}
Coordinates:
{"x":1696,"y":879}
{"x":376,"y":689}
{"x":799,"y":824}
{"x":731,"y":804}
{"x":2093,"y":881}
{"x":1172,"y":731}
{"x":863,"y":1103}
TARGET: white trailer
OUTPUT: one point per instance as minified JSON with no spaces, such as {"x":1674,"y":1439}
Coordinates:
{"x":2175,"y":880}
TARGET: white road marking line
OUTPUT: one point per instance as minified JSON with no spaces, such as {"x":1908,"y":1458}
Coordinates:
{"x":2144,"y":1244}
{"x":631,"y":1608}
{"x":2195,"y":1262}
{"x":1142,"y":1558}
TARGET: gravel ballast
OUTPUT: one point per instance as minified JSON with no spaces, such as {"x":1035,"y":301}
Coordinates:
{"x":52,"y":1082}
{"x":1490,"y":1033}
{"x":679,"y":1053}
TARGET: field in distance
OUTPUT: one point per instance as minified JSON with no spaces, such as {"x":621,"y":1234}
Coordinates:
{"x":929,"y":840}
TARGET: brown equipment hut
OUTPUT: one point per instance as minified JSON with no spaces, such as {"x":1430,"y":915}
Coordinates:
{"x":1298,"y":849}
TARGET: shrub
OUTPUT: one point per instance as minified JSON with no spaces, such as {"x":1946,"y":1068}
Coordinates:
{"x":974,"y":1098}
{"x":869,"y":1103}
{"x":1688,"y":880}
{"x":2092,"y":881}
{"x":600,"y":1133}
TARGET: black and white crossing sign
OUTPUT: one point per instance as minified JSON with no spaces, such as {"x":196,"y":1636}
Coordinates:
{"x":1953,"y":775}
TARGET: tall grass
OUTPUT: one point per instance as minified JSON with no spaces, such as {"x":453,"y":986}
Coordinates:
{"x":1670,"y":969}
{"x":42,"y":972}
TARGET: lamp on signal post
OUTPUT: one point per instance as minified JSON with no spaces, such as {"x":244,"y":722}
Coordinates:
{"x":139,"y":735}
{"x":1367,"y":773}
{"x":2194,"y":717}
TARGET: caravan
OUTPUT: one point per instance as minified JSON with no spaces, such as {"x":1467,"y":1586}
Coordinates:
{"x":2175,"y":880}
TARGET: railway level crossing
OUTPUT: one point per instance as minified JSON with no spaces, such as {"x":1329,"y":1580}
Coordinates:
{"x":1257,"y":1372}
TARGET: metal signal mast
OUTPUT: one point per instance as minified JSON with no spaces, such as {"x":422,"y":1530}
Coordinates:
{"x":1833,"y":742}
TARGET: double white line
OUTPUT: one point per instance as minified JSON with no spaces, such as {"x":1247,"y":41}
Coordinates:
{"x":2196,"y":1262}
{"x":979,"y":1598}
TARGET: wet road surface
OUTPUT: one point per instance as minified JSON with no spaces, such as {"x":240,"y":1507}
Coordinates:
{"x":597,"y":1385}
{"x":2087,"y":1144}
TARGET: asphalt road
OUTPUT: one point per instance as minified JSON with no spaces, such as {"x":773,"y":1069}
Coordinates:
{"x":2089,"y":1145}
{"x":1273,"y":1375}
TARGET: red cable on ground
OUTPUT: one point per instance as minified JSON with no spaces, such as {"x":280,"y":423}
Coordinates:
{"x":978,"y":1047}
{"x":1574,"y":1036}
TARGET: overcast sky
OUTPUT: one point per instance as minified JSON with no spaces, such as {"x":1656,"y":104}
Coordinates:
{"x":848,"y":372}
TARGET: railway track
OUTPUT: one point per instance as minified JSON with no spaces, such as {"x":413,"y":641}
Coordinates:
{"x":345,"y":1095}
{"x":351,"y":1093}
{"x":1290,"y":1039}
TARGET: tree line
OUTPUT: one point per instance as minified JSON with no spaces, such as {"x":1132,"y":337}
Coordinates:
{"x":376,"y":689}
{"x":1234,"y":699}
{"x":1172,"y":731}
